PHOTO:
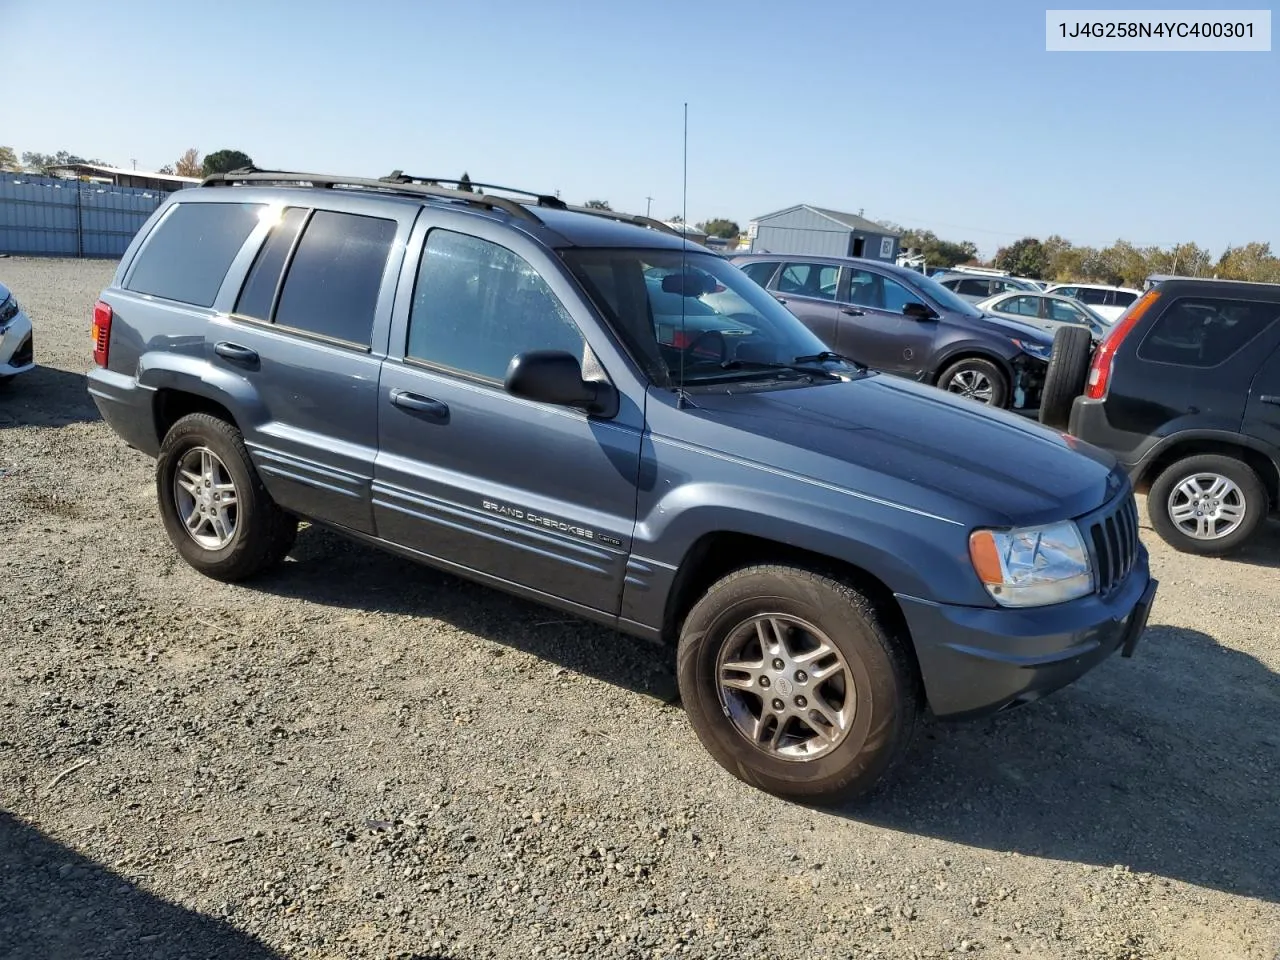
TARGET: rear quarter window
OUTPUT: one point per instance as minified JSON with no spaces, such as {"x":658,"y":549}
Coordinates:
{"x":1205,"y":332}
{"x":188,"y":254}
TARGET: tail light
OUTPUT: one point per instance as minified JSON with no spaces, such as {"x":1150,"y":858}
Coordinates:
{"x":101,"y":332}
{"x":1104,"y":357}
{"x":680,"y":339}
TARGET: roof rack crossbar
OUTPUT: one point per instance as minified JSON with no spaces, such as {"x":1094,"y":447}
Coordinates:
{"x":544,"y":199}
{"x":632,"y":218}
{"x":327,"y":181}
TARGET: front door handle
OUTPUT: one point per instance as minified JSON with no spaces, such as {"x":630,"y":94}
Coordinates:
{"x":853,"y":311}
{"x":235,"y":352}
{"x":1270,"y":398}
{"x":431,"y":409}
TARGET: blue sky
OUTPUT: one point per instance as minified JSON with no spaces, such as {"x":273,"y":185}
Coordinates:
{"x":932,"y":114}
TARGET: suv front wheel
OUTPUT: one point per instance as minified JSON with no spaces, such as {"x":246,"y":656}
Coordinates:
{"x":1207,"y":504}
{"x":976,"y":379}
{"x":793,"y":683}
{"x":213,"y":505}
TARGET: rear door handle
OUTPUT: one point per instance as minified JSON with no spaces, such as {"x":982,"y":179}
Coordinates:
{"x":1270,"y":398}
{"x":235,"y":352}
{"x":430,"y":409}
{"x":780,"y":299}
{"x":853,"y":311}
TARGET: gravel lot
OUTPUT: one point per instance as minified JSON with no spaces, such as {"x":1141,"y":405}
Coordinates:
{"x":356,"y":757}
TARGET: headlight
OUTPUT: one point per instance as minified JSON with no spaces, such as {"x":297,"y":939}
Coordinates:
{"x":8,"y":310}
{"x":1035,"y":349}
{"x":1032,"y":566}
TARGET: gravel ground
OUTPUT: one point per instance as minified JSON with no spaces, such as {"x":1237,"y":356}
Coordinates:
{"x":356,"y":757}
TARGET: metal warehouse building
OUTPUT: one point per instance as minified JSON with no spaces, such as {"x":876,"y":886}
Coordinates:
{"x":817,"y":232}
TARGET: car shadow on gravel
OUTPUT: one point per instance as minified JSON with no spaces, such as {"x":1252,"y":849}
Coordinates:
{"x":1168,"y":764}
{"x":56,"y":903}
{"x":1263,"y":550}
{"x":46,"y":397}
{"x":330,"y":570}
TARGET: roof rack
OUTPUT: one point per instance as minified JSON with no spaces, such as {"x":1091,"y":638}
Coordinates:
{"x":386,"y":184}
{"x":409,"y":185}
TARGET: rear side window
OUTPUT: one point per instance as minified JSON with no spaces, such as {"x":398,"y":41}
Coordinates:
{"x":188,"y":254}
{"x":257,"y":296}
{"x":333,"y":282}
{"x":1203,"y":332}
{"x":974,"y":288}
{"x":809,"y":280}
{"x":476,"y":305}
{"x":1093,"y":298}
{"x":1124,"y":299}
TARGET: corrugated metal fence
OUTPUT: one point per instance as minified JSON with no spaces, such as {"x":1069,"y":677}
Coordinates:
{"x":49,"y":217}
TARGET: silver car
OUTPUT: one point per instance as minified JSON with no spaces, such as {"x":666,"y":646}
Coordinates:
{"x":16,"y":352}
{"x":1047,"y":311}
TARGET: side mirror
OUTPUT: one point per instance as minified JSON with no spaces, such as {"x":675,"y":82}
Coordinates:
{"x":554,"y":376}
{"x":918,"y":311}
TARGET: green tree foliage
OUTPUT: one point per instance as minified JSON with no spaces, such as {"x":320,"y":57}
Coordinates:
{"x":598,"y":205}
{"x":720,"y":227}
{"x":465,"y":183}
{"x":1253,"y":261}
{"x":1024,"y":258}
{"x":8,"y":159}
{"x":224,"y":161}
{"x":41,"y":162}
{"x":936,"y":251}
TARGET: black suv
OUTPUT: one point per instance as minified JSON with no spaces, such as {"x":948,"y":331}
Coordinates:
{"x":902,"y":322}
{"x":587,"y":410}
{"x":1185,"y":391}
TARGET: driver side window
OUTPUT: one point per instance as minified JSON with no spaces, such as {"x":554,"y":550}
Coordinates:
{"x":476,"y":305}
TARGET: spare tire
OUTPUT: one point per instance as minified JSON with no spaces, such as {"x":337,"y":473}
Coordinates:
{"x":1065,"y":378}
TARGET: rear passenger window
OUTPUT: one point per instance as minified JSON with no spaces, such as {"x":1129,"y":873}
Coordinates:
{"x":1202,"y":332}
{"x":974,"y":288}
{"x":333,"y":282}
{"x":809,"y":280}
{"x":476,"y":305}
{"x":1123,"y":299}
{"x":1093,"y":298}
{"x":257,"y":296}
{"x":188,"y":254}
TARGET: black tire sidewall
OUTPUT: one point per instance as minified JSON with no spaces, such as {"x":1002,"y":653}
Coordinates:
{"x":989,"y":368}
{"x":875,"y":737}
{"x":252,"y":526}
{"x":1238,"y":472}
{"x":1065,"y":377}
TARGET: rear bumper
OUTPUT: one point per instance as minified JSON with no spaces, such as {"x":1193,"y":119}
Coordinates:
{"x":979,"y":660}
{"x":1089,"y":423}
{"x":127,"y":407}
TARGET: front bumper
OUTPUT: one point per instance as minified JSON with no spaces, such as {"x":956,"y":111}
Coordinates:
{"x":979,"y":660}
{"x":17,"y":346}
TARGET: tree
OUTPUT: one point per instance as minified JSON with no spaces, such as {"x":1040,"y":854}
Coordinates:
{"x":465,"y":183}
{"x":598,"y":205}
{"x":1253,"y":261}
{"x":725,"y":229}
{"x":224,"y":161}
{"x":8,"y":159}
{"x":936,"y":251}
{"x":675,"y":218}
{"x":189,"y":165}
{"x":167,"y":170}
{"x":41,"y":162}
{"x":1024,"y":258}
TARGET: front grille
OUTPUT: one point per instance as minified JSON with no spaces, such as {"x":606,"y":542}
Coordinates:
{"x":1113,"y":537}
{"x":25,"y":352}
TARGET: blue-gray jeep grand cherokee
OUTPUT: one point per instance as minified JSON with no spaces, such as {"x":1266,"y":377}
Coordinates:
{"x":585,"y":409}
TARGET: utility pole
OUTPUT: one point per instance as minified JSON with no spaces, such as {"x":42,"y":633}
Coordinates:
{"x":134,"y":162}
{"x":648,"y":205}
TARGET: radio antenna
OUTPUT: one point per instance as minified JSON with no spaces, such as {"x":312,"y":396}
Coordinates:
{"x":681,"y":399}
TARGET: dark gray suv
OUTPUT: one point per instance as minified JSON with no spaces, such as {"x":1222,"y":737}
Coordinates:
{"x":904,"y":323}
{"x":587,"y":410}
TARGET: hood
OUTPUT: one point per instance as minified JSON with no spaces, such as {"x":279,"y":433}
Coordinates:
{"x":914,"y":445}
{"x":1017,"y":329}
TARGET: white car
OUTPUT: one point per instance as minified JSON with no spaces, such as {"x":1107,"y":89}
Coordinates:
{"x":1107,"y":302}
{"x":16,"y":353}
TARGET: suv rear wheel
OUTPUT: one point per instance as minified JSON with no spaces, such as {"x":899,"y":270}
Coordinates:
{"x":1207,"y":504}
{"x":976,"y":379}
{"x":793,"y":683}
{"x":213,"y":505}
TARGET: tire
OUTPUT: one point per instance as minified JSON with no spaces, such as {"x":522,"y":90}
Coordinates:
{"x":885,"y":683}
{"x":261,"y":533}
{"x":1167,"y":492}
{"x":1065,"y":378}
{"x":973,"y":371}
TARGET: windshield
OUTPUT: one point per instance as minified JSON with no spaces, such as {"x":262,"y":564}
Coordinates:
{"x":705,"y":315}
{"x":944,"y":297}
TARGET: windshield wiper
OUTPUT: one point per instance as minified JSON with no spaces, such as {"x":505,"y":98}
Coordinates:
{"x":830,"y":356}
{"x":764,"y":366}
